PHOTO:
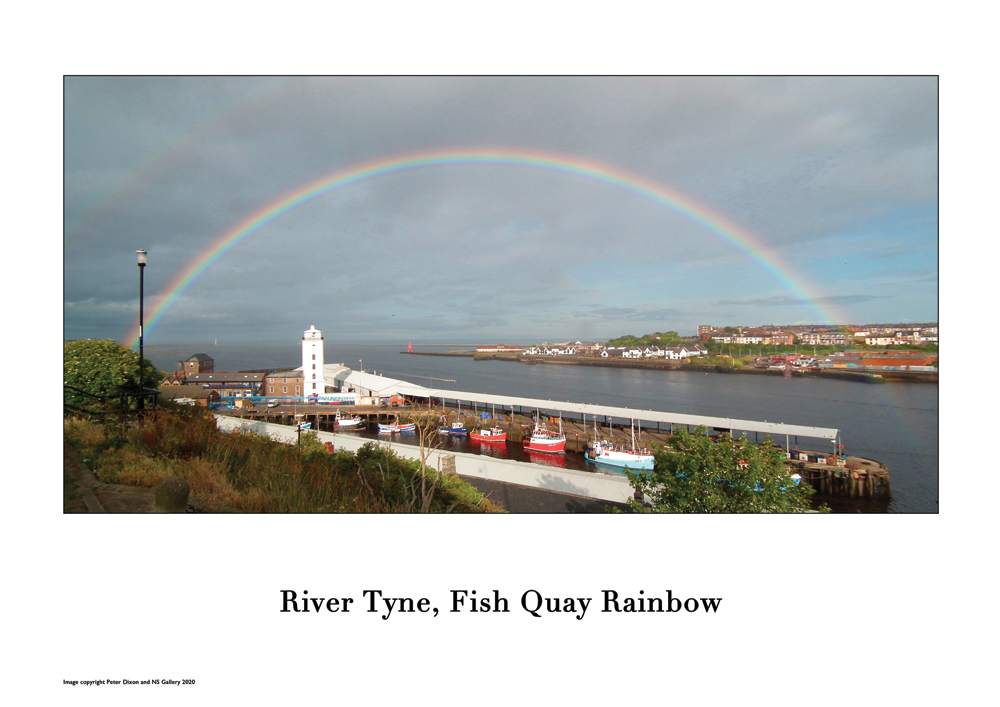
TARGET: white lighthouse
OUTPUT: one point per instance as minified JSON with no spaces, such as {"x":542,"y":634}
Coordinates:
{"x":312,"y":363}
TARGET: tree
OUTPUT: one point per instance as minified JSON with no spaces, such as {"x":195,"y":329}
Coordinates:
{"x":698,"y":475}
{"x":429,"y":441}
{"x":103,"y":367}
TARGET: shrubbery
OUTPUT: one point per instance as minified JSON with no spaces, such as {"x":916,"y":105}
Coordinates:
{"x":700,"y":474}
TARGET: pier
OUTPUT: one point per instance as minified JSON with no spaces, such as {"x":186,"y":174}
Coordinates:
{"x":829,"y":472}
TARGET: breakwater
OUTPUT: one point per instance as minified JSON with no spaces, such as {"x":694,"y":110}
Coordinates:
{"x":697,"y":366}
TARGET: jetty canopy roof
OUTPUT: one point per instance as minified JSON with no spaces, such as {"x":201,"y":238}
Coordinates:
{"x":383,"y":386}
{"x":718,"y":423}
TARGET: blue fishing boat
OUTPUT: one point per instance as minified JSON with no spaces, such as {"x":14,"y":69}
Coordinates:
{"x":455,"y":428}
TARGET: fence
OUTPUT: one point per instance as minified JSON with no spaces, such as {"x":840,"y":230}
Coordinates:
{"x":124,"y":401}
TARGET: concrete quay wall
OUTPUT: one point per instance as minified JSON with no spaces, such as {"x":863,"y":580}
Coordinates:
{"x":577,"y":483}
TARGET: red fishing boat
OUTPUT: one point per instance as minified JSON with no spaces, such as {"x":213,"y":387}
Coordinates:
{"x":494,"y":435}
{"x":543,"y":440}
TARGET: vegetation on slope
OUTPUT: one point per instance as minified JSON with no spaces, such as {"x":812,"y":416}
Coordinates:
{"x":255,"y":474}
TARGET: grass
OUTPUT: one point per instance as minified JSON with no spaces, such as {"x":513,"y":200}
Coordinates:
{"x":255,"y":474}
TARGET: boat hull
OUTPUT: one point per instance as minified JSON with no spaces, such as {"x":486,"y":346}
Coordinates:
{"x":545,"y":441}
{"x":546,"y":445}
{"x":622,"y":460}
{"x":393,"y":429}
{"x":494,"y":438}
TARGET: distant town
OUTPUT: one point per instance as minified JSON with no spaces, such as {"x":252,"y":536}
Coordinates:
{"x":670,"y":345}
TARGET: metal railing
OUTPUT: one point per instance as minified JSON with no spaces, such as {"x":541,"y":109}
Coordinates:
{"x":124,"y":401}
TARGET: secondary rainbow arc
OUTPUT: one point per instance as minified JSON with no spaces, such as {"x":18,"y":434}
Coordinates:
{"x":663,"y":195}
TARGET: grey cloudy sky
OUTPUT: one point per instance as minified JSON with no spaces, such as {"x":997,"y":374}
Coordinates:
{"x":838,"y":177}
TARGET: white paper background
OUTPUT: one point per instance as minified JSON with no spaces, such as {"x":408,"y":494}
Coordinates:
{"x":817,"y":610}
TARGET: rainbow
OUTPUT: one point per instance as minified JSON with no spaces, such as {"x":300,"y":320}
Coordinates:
{"x":578,"y":167}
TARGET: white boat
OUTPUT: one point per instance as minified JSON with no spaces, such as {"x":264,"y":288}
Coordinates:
{"x":604,"y":452}
{"x":348,"y":421}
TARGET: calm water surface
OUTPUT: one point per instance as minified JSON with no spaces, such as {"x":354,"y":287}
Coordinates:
{"x":894,"y":423}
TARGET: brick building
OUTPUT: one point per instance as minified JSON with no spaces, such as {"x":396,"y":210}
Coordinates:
{"x":199,"y":363}
{"x":283,"y":384}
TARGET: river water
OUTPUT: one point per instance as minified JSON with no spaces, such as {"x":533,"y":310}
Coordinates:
{"x":894,"y":423}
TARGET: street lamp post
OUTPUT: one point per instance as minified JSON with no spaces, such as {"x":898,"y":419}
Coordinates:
{"x":141,"y":258}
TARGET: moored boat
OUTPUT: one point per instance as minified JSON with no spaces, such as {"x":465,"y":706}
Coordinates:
{"x":494,"y":435}
{"x":455,"y":428}
{"x":603,"y":452}
{"x":396,"y":426}
{"x":347,"y":421}
{"x":544,"y":440}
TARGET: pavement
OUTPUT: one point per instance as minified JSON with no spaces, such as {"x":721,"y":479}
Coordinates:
{"x":514,"y":498}
{"x":83,"y":493}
